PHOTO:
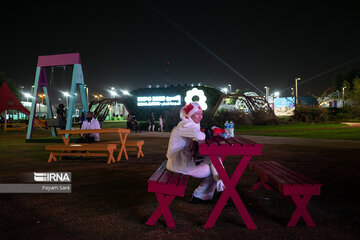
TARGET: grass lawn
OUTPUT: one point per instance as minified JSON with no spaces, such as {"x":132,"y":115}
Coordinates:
{"x":290,"y":127}
{"x":303,"y":130}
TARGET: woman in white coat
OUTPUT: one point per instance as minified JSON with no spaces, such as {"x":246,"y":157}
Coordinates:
{"x":180,"y":158}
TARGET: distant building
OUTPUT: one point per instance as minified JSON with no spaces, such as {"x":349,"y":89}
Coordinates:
{"x":159,"y":100}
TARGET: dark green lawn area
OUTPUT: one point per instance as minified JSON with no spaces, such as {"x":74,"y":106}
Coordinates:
{"x":303,"y":130}
{"x":112,"y":201}
{"x":289,"y":127}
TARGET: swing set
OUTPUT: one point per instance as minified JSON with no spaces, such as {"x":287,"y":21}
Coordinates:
{"x":41,"y":82}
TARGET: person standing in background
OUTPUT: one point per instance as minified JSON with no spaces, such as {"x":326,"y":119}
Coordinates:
{"x":151,"y":122}
{"x":161,"y":123}
{"x":82,"y":118}
{"x":128,"y":121}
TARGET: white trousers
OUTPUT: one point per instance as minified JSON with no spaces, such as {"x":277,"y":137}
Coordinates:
{"x":151,"y":127}
{"x":211,"y":182}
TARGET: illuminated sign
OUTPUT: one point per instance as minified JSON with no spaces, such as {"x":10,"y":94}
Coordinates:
{"x":159,"y":101}
{"x":196,"y":92}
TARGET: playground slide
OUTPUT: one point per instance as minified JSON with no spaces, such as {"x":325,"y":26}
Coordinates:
{"x":41,"y":124}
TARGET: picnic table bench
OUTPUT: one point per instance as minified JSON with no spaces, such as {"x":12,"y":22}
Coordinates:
{"x":131,"y":145}
{"x":166,"y":185}
{"x":288,"y":183}
{"x":122,"y":132}
{"x":14,"y":127}
{"x":83,"y":150}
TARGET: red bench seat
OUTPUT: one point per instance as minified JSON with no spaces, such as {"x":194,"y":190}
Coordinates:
{"x":288,"y":183}
{"x":166,"y":185}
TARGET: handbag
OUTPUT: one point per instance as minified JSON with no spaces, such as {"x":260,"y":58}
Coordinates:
{"x":195,"y":153}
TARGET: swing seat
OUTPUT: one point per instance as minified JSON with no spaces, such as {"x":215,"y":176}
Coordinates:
{"x":52,"y":122}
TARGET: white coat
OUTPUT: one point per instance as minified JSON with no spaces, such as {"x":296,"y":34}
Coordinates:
{"x":180,"y":159}
{"x":181,"y":140}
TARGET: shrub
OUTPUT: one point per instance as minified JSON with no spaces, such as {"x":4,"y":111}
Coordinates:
{"x":239,"y":118}
{"x":346,"y":113}
{"x":261,"y":117}
{"x":310,"y":114}
{"x":209,"y":119}
{"x":218,"y":119}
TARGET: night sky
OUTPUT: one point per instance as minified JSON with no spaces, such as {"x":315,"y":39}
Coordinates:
{"x":127,"y":44}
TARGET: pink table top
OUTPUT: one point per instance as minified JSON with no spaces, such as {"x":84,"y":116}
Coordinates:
{"x":218,"y":146}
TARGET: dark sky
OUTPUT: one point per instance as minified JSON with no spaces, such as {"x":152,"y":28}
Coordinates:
{"x":126,"y":44}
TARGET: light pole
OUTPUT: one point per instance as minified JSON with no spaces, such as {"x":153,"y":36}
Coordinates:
{"x":22,"y":92}
{"x":87,"y":94}
{"x":266,"y":93}
{"x":67,"y":95}
{"x":229,"y":88}
{"x":296,"y":90}
{"x":42,"y":98}
{"x":343,"y":94}
{"x":113,"y":92}
{"x":224,"y":90}
{"x":27,"y":95}
{"x":42,"y":102}
{"x":125,"y":92}
{"x":276,"y":94}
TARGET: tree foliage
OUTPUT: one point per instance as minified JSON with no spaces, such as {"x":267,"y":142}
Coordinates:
{"x":348,"y":76}
{"x":349,"y":83}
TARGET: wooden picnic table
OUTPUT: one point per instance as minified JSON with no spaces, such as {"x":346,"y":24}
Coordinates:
{"x":217,"y":149}
{"x":123,"y":133}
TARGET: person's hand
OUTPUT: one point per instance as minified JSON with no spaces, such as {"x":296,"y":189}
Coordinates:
{"x":220,"y":186}
{"x":208,"y":132}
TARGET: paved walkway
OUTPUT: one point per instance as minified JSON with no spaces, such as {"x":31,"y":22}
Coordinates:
{"x":352,"y":124}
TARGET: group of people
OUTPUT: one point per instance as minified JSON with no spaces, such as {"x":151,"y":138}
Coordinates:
{"x":151,"y":121}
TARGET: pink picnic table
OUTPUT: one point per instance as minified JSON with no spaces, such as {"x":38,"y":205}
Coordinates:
{"x":217,"y":149}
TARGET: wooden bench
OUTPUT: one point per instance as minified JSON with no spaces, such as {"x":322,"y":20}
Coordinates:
{"x":166,"y":185}
{"x":122,"y":133}
{"x":14,"y":127}
{"x":288,"y":183}
{"x":83,"y":150}
{"x":131,"y":145}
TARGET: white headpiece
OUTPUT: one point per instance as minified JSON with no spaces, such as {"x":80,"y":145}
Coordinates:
{"x":188,"y":110}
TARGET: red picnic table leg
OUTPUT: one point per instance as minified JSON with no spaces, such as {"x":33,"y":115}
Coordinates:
{"x":163,"y":209}
{"x":301,"y":211}
{"x":230,"y":191}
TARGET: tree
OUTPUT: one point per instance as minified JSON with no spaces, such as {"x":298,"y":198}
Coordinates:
{"x":320,"y":98}
{"x":347,"y":88}
{"x":349,"y":76}
{"x":355,"y":93}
